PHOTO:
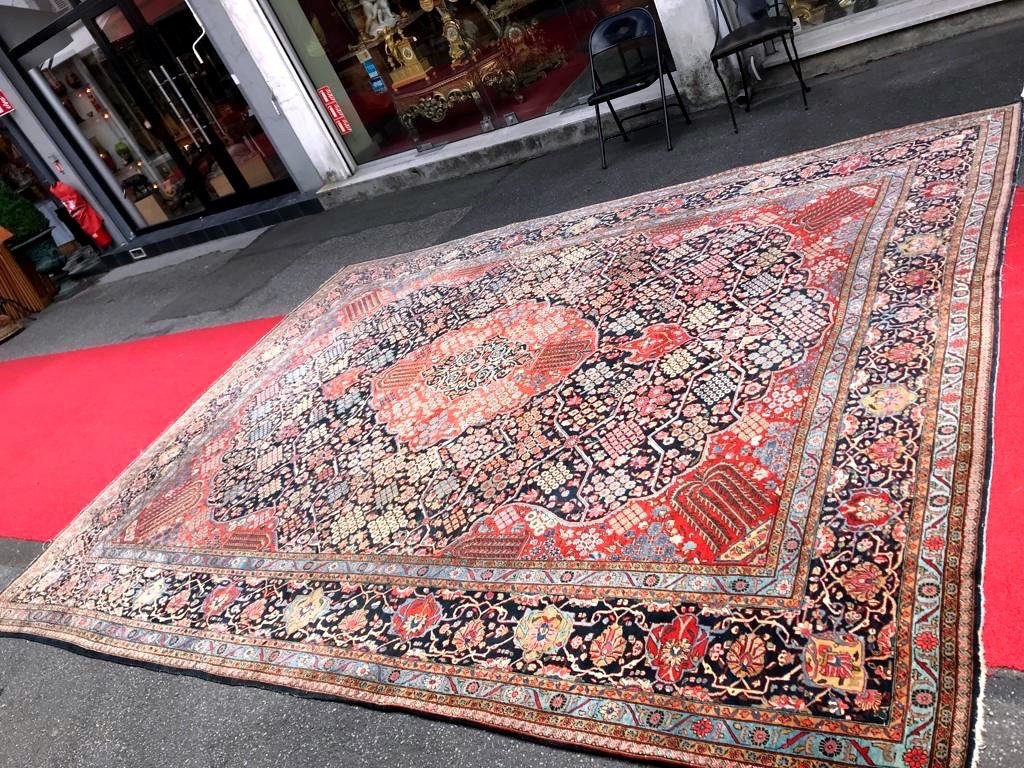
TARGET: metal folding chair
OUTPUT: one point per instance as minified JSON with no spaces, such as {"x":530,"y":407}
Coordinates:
{"x":773,"y":21}
{"x":628,"y":53}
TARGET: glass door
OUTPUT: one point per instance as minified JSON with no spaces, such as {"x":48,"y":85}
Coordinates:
{"x":192,"y":76}
{"x":171,"y":131}
{"x":109,"y":114}
{"x":175,"y":103}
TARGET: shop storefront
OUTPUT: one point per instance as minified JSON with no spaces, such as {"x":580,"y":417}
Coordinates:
{"x":827,"y":24}
{"x":16,"y":170}
{"x":173,"y":110}
{"x":406,"y":74}
{"x":165,"y":126}
{"x":818,"y":12}
{"x":25,"y":175}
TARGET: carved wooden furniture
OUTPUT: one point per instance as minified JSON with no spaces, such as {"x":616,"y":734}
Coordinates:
{"x":434,"y":99}
{"x":26,"y":290}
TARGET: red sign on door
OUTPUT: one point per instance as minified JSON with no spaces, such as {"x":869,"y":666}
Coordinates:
{"x":5,"y":106}
{"x":337,"y":116}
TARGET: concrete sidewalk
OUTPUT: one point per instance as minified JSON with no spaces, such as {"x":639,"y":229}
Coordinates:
{"x":59,"y":708}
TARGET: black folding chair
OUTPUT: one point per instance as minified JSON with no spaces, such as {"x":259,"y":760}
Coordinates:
{"x":628,"y":53}
{"x":773,"y":22}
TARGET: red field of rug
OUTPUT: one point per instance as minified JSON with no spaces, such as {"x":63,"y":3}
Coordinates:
{"x":73,"y":421}
{"x":1004,"y":532}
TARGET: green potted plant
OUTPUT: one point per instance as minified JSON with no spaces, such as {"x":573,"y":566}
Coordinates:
{"x":30,"y":229}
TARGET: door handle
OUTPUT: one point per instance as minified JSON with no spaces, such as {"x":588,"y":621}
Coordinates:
{"x":184,"y":103}
{"x":173,"y":106}
{"x":210,"y":114}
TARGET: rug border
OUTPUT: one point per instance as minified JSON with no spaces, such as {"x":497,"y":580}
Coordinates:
{"x":170,"y":665}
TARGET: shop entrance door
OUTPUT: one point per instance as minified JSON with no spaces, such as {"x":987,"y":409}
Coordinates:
{"x":150,"y":99}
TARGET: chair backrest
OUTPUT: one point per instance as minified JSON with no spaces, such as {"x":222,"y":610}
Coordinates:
{"x":624,"y":43}
{"x":620,"y":28}
{"x":739,"y":13}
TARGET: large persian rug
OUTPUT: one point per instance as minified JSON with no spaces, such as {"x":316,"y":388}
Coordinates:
{"x":692,"y":476}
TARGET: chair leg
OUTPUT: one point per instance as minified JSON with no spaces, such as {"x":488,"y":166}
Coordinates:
{"x":743,"y":76}
{"x":799,"y":69}
{"x":796,"y":69}
{"x":664,"y":113}
{"x":615,"y":117}
{"x":728,"y":99}
{"x":795,"y":62}
{"x":600,"y":136}
{"x":679,"y":99}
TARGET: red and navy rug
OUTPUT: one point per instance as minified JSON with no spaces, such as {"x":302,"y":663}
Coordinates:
{"x":692,"y":476}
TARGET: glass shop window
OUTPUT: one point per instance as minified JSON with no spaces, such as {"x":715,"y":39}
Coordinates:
{"x":814,"y":13}
{"x":411,"y":74}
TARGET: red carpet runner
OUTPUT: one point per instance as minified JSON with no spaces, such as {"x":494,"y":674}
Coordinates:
{"x":1004,"y":531}
{"x":73,"y":421}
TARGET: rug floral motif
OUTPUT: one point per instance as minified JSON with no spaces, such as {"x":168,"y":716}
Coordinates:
{"x":691,"y":476}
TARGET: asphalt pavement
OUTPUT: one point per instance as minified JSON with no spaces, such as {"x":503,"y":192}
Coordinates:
{"x":64,"y":708}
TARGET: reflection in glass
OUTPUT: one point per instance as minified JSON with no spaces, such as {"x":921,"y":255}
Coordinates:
{"x":194,"y":86}
{"x":155,"y":105}
{"x":18,"y":24}
{"x":16,"y":172}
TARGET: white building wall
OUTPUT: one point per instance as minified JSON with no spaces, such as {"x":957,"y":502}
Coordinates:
{"x":690,"y":30}
{"x":288,"y":95}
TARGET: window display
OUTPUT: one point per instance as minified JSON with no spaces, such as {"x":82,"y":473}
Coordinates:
{"x":83,"y":79}
{"x":15,"y":170}
{"x":418,"y":74}
{"x":816,"y":12}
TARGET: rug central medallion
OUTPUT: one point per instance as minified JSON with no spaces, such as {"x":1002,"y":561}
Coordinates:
{"x":489,"y":366}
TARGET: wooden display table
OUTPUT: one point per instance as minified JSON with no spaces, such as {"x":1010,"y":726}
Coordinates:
{"x":20,"y":281}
